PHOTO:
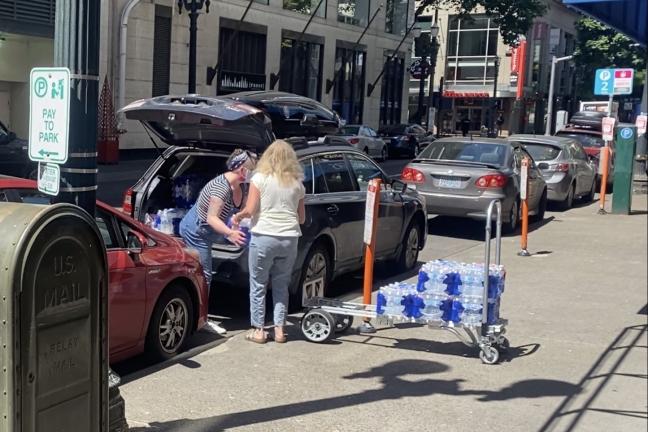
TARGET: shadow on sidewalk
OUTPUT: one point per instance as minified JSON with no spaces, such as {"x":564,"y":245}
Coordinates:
{"x":393,"y":387}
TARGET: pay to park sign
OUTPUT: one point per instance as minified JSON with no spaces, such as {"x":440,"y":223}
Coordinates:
{"x":49,"y":102}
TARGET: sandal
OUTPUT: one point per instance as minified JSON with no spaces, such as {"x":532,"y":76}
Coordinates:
{"x":280,"y":339}
{"x":250,"y":336}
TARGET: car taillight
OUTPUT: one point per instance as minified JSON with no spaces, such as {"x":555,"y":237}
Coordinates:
{"x":412,"y":175}
{"x":562,"y":167}
{"x":354,"y":141}
{"x":127,"y":205}
{"x":491,"y":181}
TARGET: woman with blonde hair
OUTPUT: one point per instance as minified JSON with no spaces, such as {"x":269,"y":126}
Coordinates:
{"x":276,"y":205}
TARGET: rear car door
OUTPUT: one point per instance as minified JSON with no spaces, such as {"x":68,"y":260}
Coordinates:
{"x":585,"y":170}
{"x":390,"y":213}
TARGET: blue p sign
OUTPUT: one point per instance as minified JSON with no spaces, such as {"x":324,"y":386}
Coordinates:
{"x":626,"y":133}
{"x":604,"y":82}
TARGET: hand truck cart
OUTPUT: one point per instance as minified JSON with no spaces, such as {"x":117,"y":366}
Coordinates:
{"x":326,"y":317}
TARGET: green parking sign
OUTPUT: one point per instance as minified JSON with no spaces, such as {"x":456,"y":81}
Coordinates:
{"x":49,"y":113}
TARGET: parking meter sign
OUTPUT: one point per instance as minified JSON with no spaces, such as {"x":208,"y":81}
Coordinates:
{"x":641,"y":124}
{"x":608,"y":128}
{"x":49,"y":178}
{"x":370,"y":211}
{"x":49,"y":112}
{"x":524,"y":178}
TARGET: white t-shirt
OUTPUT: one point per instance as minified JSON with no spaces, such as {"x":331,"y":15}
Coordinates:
{"x":277,"y":213}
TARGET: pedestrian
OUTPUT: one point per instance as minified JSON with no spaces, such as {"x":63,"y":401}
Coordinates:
{"x":276,"y":206}
{"x":500,"y":123}
{"x":206,"y":222}
{"x":465,"y":125}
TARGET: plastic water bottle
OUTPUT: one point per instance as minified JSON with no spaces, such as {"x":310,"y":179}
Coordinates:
{"x":244,"y":227}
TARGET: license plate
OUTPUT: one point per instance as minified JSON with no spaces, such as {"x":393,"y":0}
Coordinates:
{"x":451,"y":184}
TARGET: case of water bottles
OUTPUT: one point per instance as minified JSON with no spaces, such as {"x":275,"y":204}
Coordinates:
{"x":446,"y":293}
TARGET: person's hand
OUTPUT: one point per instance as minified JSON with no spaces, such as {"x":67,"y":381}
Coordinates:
{"x":236,"y":220}
{"x":237,"y":237}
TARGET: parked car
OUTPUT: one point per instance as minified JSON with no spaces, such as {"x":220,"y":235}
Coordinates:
{"x":291,"y":114}
{"x":402,"y":139}
{"x":568,"y":171}
{"x":461,"y":176}
{"x":365,"y":139}
{"x":157,"y":291}
{"x":336,"y":179}
{"x":14,"y":159}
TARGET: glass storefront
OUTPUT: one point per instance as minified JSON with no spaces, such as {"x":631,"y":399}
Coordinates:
{"x":396,"y":16}
{"x":472,"y":51}
{"x":391,"y":95}
{"x":241,"y":73}
{"x":354,"y":12}
{"x":348,"y":93}
{"x":305,"y":6}
{"x":301,"y":68}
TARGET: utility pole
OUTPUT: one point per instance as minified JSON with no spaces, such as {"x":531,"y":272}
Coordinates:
{"x":193,"y":7}
{"x":517,"y":123}
{"x":76,"y":46}
{"x":493,"y":107}
{"x":552,"y":81}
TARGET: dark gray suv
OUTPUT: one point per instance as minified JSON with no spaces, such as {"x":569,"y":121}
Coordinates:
{"x":201,"y":133}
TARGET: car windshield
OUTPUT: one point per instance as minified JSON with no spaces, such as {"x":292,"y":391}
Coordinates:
{"x":349,"y":130}
{"x":542,"y":152}
{"x":472,"y":152}
{"x":585,"y":139}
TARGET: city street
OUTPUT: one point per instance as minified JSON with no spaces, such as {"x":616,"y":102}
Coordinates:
{"x":577,"y":359}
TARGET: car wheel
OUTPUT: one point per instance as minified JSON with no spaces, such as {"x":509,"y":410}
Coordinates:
{"x":511,"y":225}
{"x":592,"y":193}
{"x":170,"y":324}
{"x":542,"y":208}
{"x":314,"y":276}
{"x":383,"y":154}
{"x":568,"y":202}
{"x":410,"y":249}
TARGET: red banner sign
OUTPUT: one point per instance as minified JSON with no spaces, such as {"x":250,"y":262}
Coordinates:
{"x":456,"y":94}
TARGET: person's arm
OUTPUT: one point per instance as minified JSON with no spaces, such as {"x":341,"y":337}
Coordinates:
{"x":251,"y":205}
{"x":214,"y":221}
{"x":301,"y":212}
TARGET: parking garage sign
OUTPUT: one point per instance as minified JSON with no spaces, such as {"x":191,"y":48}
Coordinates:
{"x":49,"y":103}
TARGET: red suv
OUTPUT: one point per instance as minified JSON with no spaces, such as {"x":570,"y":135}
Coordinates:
{"x":157,"y":291}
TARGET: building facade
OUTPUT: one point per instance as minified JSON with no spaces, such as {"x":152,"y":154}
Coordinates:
{"x":479,"y":72}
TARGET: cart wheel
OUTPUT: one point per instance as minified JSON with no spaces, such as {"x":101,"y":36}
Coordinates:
{"x":503,"y":344}
{"x":489,"y":355}
{"x":343,"y":323}
{"x":318,"y":325}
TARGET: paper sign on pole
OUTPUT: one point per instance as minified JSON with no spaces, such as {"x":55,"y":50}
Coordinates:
{"x":524,"y":178}
{"x":372,"y":191}
{"x":49,"y":178}
{"x":49,"y":112}
{"x":608,"y":128}
{"x":641,"y":124}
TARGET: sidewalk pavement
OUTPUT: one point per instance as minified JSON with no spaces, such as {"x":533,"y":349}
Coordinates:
{"x":578,"y":358}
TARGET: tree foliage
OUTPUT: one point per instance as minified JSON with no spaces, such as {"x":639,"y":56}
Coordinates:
{"x":514,"y":17}
{"x":598,"y":46}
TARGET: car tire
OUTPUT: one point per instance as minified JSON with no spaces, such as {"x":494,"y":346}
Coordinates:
{"x":317,"y":265}
{"x":510,"y":226}
{"x":591,"y":194}
{"x":410,"y":248}
{"x":542,"y":208}
{"x":171,"y":323}
{"x":568,"y":202}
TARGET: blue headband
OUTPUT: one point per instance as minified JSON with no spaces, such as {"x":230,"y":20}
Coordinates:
{"x":237,"y":161}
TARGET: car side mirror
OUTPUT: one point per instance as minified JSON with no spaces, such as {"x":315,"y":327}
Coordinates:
{"x":399,"y":186}
{"x":135,"y":243}
{"x":309,"y":120}
{"x":543,"y":166}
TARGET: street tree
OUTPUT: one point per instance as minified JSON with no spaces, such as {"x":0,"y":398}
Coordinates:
{"x":599,"y":46}
{"x":514,"y":17}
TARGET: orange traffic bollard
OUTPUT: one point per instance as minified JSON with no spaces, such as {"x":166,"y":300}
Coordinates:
{"x":371,"y":217}
{"x":605,"y":162}
{"x":524,"y":185}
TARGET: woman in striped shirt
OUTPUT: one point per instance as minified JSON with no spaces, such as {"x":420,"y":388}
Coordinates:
{"x":206,"y":222}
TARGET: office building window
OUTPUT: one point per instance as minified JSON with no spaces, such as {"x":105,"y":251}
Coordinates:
{"x":348,"y":93}
{"x":242,"y":72}
{"x":354,"y":12}
{"x":161,"y":51}
{"x":472,"y":50}
{"x":391,"y":95}
{"x":396,"y":16}
{"x":306,"y":7}
{"x":301,"y":68}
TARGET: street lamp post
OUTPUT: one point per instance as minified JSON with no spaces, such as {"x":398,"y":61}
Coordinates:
{"x":422,"y":44}
{"x":193,"y":7}
{"x":434,"y":47}
{"x":554,"y":60}
{"x":493,"y":107}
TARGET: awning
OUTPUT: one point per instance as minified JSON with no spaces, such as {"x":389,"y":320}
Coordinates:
{"x":629,"y":17}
